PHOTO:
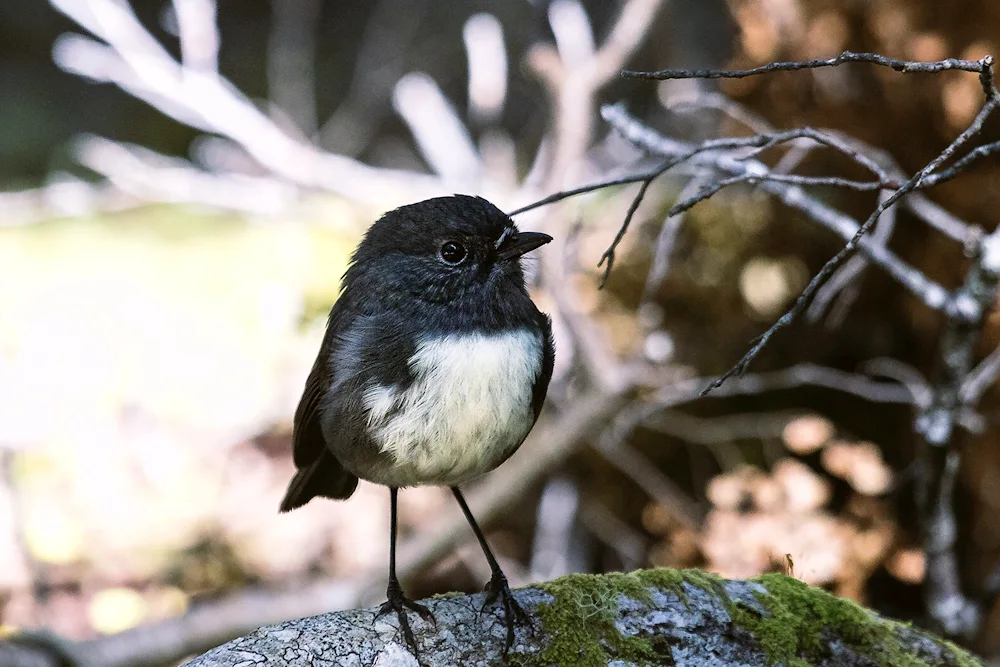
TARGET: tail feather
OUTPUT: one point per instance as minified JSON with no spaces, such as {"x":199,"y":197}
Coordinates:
{"x":325,"y":478}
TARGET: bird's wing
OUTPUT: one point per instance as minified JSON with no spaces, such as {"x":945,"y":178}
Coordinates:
{"x":307,"y":436}
{"x":307,"y":433}
{"x":368,"y":349}
{"x":548,"y":360}
{"x":318,"y":473}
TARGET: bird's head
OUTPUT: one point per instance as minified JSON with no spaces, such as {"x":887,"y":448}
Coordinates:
{"x":444,"y":250}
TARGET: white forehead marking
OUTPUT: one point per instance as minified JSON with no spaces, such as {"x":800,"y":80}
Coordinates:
{"x":469,"y":405}
{"x":507,"y":231}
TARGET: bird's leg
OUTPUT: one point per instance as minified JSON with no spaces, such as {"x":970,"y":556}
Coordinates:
{"x":396,"y":601}
{"x":497,"y":588}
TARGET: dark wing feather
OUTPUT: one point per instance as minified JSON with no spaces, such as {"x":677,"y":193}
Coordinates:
{"x":319,"y":472}
{"x":548,"y":360}
{"x":307,"y":436}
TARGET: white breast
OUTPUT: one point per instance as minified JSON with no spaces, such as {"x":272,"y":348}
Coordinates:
{"x":469,"y":405}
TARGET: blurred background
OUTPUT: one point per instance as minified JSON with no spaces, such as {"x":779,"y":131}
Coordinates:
{"x":182,"y":183}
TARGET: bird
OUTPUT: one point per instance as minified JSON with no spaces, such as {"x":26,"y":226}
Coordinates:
{"x":432,"y":371}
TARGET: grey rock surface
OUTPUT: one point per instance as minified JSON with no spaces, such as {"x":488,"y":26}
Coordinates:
{"x":687,"y":627}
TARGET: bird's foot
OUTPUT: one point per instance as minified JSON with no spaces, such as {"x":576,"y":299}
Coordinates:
{"x":399,"y":603}
{"x":513,"y":614}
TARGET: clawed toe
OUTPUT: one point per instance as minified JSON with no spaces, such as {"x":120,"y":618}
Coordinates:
{"x":498,"y":589}
{"x":399,"y":603}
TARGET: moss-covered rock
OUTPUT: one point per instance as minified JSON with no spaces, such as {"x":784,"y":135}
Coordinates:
{"x":676,"y":618}
{"x":800,"y":621}
{"x":787,"y":621}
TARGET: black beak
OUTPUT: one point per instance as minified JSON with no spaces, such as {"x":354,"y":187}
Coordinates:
{"x":517,"y":244}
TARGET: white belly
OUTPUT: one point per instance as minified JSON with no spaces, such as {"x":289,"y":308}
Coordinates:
{"x":468,"y":407}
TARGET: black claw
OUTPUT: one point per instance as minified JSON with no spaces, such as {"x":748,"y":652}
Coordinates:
{"x":513,"y":614}
{"x":399,"y":603}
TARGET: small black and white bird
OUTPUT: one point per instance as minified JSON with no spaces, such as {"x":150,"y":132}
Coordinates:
{"x":433,"y":369}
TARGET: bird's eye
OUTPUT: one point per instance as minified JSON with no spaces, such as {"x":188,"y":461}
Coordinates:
{"x":452,"y":252}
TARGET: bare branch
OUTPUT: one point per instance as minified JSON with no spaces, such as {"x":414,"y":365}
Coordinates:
{"x":666,"y":239}
{"x":291,"y":54}
{"x":625,"y":37}
{"x":151,"y":177}
{"x":486,"y":54}
{"x":961,"y":165}
{"x":837,"y":260}
{"x":137,"y":63}
{"x":63,"y":196}
{"x":573,"y":76}
{"x":981,"y":378}
{"x":198,"y":34}
{"x":609,"y":254}
{"x":931,"y":293}
{"x":572,"y":30}
{"x":723,"y":429}
{"x":904,"y":66}
{"x":645,"y":474}
{"x":559,"y":196}
{"x":888,"y":169}
{"x":440,"y":134}
{"x":798,"y":375}
{"x":843,"y":285}
{"x":944,"y":221}
{"x":906,"y":375}
{"x":828,"y":139}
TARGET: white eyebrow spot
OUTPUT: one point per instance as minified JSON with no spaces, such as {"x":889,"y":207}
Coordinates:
{"x":507,"y":231}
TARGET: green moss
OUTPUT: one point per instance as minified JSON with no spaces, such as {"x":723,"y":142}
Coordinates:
{"x":672,"y":581}
{"x":791,"y":633}
{"x":580,"y":620}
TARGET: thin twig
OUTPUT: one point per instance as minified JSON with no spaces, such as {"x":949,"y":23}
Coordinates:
{"x":835,"y":181}
{"x":609,"y":254}
{"x":844,"y":285}
{"x":646,"y":475}
{"x":665,"y":241}
{"x":799,"y":375}
{"x":584,"y":189}
{"x":905,"y":374}
{"x":905,"y":66}
{"x":723,"y":429}
{"x":827,"y":139}
{"x":982,"y":377}
{"x":647,"y":138}
{"x":934,"y":215}
{"x":929,"y":292}
{"x":802,"y":301}
{"x":942,"y":220}
{"x":961,"y":165}
{"x":956,"y":613}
